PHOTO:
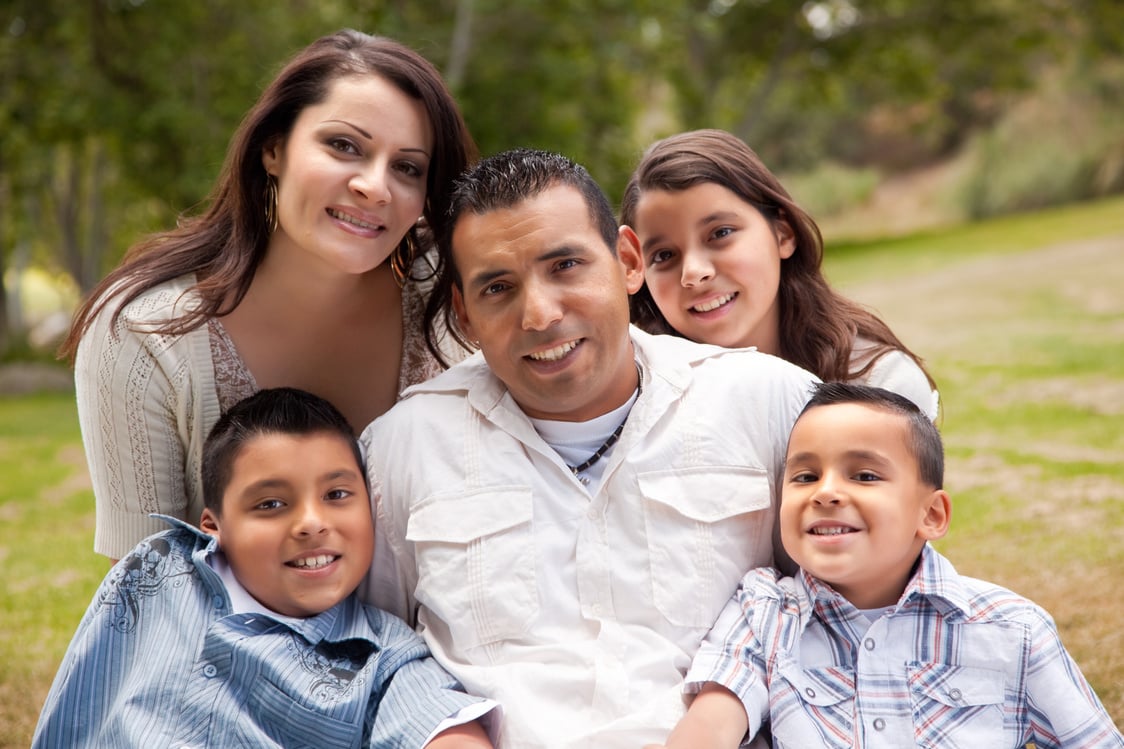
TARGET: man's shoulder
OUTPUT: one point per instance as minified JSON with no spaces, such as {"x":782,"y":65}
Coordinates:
{"x":707,"y":360}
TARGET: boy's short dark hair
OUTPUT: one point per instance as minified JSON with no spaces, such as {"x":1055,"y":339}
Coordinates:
{"x":924,"y":439}
{"x":508,"y":178}
{"x":270,"y":411}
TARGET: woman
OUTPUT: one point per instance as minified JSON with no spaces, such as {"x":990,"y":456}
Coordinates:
{"x":305,"y":270}
{"x":730,"y":259}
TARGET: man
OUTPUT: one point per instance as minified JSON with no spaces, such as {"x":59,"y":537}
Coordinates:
{"x":564,"y":514}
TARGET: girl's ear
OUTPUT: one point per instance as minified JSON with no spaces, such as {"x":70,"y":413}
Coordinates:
{"x":786,"y":237}
{"x":937,"y":515}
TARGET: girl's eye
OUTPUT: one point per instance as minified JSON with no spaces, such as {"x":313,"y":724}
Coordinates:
{"x":803,"y":478}
{"x":659,"y":256}
{"x":338,"y":494}
{"x":493,"y":289}
{"x":722,"y":232}
{"x":866,"y":476}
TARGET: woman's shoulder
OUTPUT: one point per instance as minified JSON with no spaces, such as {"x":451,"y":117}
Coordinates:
{"x":159,"y":303}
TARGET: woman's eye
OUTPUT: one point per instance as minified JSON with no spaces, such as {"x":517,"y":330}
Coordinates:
{"x":722,"y":232}
{"x":342,"y":145}
{"x":410,"y":169}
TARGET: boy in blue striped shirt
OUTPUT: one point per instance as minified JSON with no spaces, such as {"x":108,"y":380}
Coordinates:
{"x":248,"y":632}
{"x":877,"y":641}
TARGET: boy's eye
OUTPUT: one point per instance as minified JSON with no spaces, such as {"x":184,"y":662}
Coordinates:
{"x":269,"y":504}
{"x":804,"y":477}
{"x":866,"y":476}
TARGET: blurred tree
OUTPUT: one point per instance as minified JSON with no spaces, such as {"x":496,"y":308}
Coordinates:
{"x":116,"y":113}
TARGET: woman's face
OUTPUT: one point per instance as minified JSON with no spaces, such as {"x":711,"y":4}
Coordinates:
{"x":712,"y":263}
{"x":351,"y":175}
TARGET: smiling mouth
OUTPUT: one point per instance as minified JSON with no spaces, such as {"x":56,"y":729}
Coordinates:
{"x":713,"y":304}
{"x":833,"y":530}
{"x":556,"y":353}
{"x":313,"y":563}
{"x":348,"y":218}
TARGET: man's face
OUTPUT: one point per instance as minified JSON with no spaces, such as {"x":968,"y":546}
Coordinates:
{"x":548,"y":302}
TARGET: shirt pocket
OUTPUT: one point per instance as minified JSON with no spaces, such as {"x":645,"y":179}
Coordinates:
{"x":277,"y":715}
{"x":812,"y":707}
{"x":706,"y":527}
{"x":476,"y":560}
{"x":956,"y":706}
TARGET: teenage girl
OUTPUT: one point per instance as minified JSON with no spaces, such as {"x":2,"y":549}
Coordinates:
{"x":730,"y":259}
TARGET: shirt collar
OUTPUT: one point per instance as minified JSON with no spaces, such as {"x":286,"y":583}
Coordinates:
{"x":347,"y":620}
{"x":934,"y":579}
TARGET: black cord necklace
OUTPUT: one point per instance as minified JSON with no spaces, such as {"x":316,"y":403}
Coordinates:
{"x":616,"y":435}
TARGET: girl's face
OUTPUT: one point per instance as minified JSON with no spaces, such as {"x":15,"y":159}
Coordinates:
{"x":351,"y":175}
{"x":712,"y":263}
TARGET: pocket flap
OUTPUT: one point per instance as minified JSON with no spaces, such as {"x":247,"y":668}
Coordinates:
{"x":708,"y":493}
{"x":462,"y":518}
{"x":822,"y":686}
{"x":956,"y":686}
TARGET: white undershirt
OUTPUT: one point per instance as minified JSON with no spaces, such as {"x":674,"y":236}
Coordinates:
{"x":577,"y":441}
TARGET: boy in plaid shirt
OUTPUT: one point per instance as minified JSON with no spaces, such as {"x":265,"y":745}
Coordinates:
{"x":877,"y":641}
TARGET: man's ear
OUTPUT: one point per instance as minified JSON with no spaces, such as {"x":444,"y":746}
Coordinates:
{"x":630,"y":257}
{"x":462,"y":314}
{"x":937,"y":515}
{"x":209,"y":524}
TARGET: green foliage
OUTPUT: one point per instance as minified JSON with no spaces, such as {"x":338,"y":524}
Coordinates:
{"x":831,"y":188}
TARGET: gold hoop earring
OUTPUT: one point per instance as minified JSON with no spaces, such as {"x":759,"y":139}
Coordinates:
{"x":270,"y":203}
{"x":402,"y":260}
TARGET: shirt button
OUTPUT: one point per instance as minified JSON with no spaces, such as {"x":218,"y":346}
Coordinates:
{"x":217,"y":600}
{"x":879,"y":724}
{"x":955,"y":694}
{"x":209,"y":670}
{"x":811,"y":693}
{"x":868,"y":643}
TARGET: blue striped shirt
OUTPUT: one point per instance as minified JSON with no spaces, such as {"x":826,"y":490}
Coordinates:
{"x":160,"y":660}
{"x":958,"y":662}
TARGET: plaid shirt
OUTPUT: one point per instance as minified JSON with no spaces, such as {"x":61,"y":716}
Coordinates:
{"x":958,"y":662}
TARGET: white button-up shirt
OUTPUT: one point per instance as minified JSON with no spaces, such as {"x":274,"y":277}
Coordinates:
{"x":580,"y":613}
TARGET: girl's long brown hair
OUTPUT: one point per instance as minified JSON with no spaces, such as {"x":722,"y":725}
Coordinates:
{"x":818,"y":326}
{"x":225,"y":244}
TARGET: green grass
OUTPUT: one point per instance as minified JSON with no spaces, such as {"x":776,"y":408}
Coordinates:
{"x":50,"y":570}
{"x":1028,"y":351}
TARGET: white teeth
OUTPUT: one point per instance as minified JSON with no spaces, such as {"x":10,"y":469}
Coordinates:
{"x":313,"y":563}
{"x":555,"y":353}
{"x":351,"y":219}
{"x":713,"y":303}
{"x":834,"y":530}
